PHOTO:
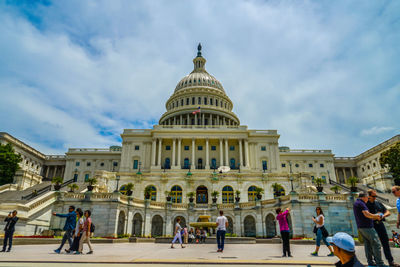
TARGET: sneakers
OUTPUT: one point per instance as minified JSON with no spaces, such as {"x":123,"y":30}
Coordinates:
{"x":90,"y":252}
{"x":57,"y":251}
{"x":331,"y":254}
{"x":77,"y":253}
{"x":314,"y":254}
{"x":283,"y":255}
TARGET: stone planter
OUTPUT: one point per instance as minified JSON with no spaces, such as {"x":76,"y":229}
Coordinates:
{"x":129,"y":193}
{"x":214,"y":200}
{"x":320,"y":189}
{"x":259,"y":196}
{"x":237,"y":199}
{"x":191,"y":199}
{"x":353,"y":189}
{"x":168,"y":198}
{"x":57,"y":187}
{"x":90,"y":188}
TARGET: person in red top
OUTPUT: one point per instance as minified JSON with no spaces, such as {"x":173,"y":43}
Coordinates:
{"x":86,"y":233}
{"x":285,"y":231}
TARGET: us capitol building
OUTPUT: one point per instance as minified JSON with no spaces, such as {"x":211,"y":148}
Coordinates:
{"x":199,"y":147}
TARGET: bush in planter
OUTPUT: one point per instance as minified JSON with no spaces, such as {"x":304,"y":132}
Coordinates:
{"x":57,"y":181}
{"x":259,"y":191}
{"x":214,"y":195}
{"x":278,"y":190}
{"x":128,"y":187}
{"x":352,"y":181}
{"x":336,"y":189}
{"x":91,"y":182}
{"x":190,"y":195}
{"x":147,"y":192}
{"x":237,"y":197}
{"x":319,"y":181}
{"x":73,"y":187}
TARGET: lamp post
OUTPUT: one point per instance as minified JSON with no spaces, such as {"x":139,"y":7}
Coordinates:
{"x":291,"y":177}
{"x":117,"y":178}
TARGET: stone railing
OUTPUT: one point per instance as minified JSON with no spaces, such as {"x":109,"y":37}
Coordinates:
{"x":313,"y":151}
{"x":179,"y":206}
{"x":336,"y":197}
{"x":74,"y":195}
{"x":50,"y":157}
{"x":226,"y":206}
{"x":308,"y":197}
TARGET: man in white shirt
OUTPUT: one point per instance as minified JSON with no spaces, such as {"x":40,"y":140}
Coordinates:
{"x":222,"y":224}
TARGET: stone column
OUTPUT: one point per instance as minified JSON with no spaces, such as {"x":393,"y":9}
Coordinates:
{"x":217,"y":120}
{"x":153,"y":153}
{"x":202,"y":119}
{"x":337,"y":176}
{"x":180,"y":120}
{"x":351,"y":171}
{"x":207,"y":155}
{"x":344,"y":174}
{"x":188,"y":119}
{"x":240,"y":153}
{"x":221,"y":154}
{"x":246,"y":149}
{"x":179,"y":153}
{"x":159,"y":152}
{"x":174,"y":120}
{"x":211,"y":122}
{"x":226,"y":153}
{"x":193,"y":156}
{"x":173,"y":152}
{"x":195,"y":119}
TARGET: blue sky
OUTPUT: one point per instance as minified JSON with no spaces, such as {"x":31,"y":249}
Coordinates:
{"x":324,"y":74}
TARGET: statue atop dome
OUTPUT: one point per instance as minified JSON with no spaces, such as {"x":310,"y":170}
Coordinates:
{"x":199,"y":50}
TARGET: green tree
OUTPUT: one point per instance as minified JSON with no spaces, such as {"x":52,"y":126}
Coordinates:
{"x":391,"y":159}
{"x":9,"y":161}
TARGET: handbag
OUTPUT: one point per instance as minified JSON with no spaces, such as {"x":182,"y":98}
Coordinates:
{"x":325,"y":232}
{"x":315,"y":229}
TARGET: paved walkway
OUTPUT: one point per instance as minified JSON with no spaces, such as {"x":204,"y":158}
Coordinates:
{"x":193,"y":254}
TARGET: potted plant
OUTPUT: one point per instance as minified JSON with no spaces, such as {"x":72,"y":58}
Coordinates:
{"x":336,"y":189}
{"x":147,"y":192}
{"x":73,"y":187}
{"x":91,"y":182}
{"x":237,"y":197}
{"x":168,"y":195}
{"x":277,"y":189}
{"x":259,"y":191}
{"x":319,"y":181}
{"x":57,"y":181}
{"x":190,"y":195}
{"x":128,"y":188}
{"x":352,"y":181}
{"x":214,"y":195}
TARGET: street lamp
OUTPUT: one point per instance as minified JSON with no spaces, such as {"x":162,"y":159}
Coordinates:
{"x":117,"y":178}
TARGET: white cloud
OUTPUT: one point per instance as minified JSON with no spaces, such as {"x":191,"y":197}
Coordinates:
{"x":376,"y":130}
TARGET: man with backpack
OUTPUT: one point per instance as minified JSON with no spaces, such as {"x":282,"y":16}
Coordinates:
{"x":69,"y":227}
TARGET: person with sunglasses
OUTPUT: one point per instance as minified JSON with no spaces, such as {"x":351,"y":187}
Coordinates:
{"x":396,"y":192}
{"x":376,"y":207}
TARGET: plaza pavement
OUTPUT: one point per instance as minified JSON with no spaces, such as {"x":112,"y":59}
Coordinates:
{"x":192,"y":255}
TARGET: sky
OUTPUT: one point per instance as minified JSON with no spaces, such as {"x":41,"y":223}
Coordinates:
{"x":325,"y":74}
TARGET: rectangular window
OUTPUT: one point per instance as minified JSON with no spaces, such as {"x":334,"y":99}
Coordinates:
{"x":167,"y":147}
{"x":263,"y":148}
{"x":181,"y":102}
{"x":88,"y":164}
{"x":321,"y":165}
{"x":77,"y":163}
{"x":193,"y":100}
{"x":310,"y":165}
{"x":75,"y":177}
{"x":86,"y":177}
{"x":264,"y":165}
{"x":199,"y":101}
{"x":211,"y":101}
{"x":213,"y":148}
{"x":283,"y":165}
{"x":102,"y":164}
{"x":115,"y":163}
{"x":216,"y":102}
{"x":205,"y":101}
{"x":137,"y":147}
{"x":186,"y":147}
{"x":232,"y":148}
{"x":200,"y":148}
{"x":135,"y":164}
{"x":187,"y":101}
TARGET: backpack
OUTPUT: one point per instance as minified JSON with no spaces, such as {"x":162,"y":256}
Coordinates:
{"x":92,"y":228}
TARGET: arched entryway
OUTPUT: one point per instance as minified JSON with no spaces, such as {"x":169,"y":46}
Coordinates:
{"x":137,"y":225}
{"x":249,"y":225}
{"x":157,"y":226}
{"x":121,"y":223}
{"x":182,"y":222}
{"x":229,"y":230}
{"x":202,"y":195}
{"x":270,"y":225}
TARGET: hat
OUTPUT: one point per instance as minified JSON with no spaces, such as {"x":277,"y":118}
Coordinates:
{"x":343,"y":241}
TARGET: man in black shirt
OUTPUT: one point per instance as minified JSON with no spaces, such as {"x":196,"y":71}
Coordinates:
{"x":10,"y":220}
{"x":377,"y":207}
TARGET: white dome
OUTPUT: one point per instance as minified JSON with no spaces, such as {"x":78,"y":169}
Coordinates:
{"x":199,"y":79}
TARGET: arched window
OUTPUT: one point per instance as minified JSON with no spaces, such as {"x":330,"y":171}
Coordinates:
{"x":232,"y":163}
{"x":186,"y":163}
{"x":227,"y":194}
{"x":252,"y":194}
{"x":176,"y":194}
{"x":213,"y":163}
{"x":167,"y":164}
{"x":152,"y":192}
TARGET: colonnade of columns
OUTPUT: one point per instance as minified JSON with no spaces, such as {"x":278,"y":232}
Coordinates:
{"x":199,"y":119}
{"x":157,"y":150}
{"x":343,"y":171}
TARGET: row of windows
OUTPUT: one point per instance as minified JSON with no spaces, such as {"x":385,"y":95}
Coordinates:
{"x":369,"y":167}
{"x":202,"y":194}
{"x":200,"y":100}
{"x":321,"y":165}
{"x":213,"y":148}
{"x":88,"y":164}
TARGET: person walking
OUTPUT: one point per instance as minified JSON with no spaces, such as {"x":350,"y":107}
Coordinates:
{"x":365,"y":225}
{"x":374,"y":207}
{"x":69,"y":227}
{"x":78,"y":232}
{"x":86,"y":233}
{"x":285,"y":231}
{"x":185,"y":234}
{"x":222,"y":224}
{"x":178,"y":233}
{"x":321,"y":232}
{"x":396,"y":192}
{"x":344,"y":248}
{"x":10,"y":220}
